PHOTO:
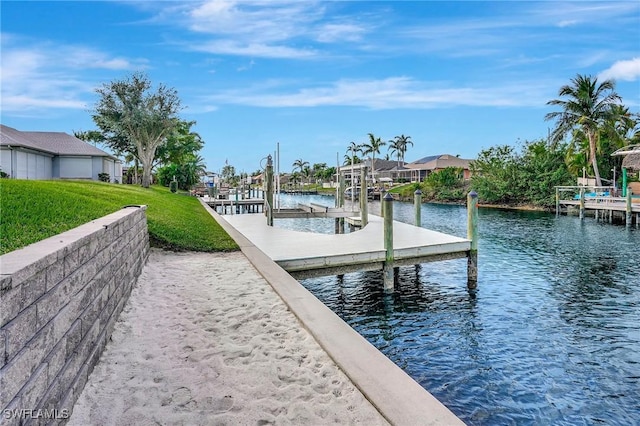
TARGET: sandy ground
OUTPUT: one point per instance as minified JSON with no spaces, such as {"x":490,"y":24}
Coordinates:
{"x":204,"y":339}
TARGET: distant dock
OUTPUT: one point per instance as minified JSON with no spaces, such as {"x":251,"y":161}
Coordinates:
{"x":599,"y":201}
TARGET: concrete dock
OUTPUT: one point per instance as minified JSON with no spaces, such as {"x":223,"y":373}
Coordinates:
{"x":305,"y":254}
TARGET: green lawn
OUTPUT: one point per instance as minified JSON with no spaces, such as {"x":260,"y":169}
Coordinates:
{"x":31,"y":211}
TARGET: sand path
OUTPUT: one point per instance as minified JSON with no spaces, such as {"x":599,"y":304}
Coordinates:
{"x":205,"y":340}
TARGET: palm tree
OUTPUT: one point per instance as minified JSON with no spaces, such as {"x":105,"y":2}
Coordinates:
{"x":398,"y":146}
{"x":351,"y":159}
{"x":587,"y":106}
{"x":299,"y":165}
{"x":354,"y":148}
{"x":373,"y":148}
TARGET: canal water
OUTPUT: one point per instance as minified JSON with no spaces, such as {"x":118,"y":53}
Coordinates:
{"x":551,"y":335}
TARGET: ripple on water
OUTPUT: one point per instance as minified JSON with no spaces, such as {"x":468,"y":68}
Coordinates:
{"x":551,"y":336}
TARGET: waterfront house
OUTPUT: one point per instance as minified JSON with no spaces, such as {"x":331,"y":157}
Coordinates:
{"x":423,"y":167}
{"x":54,"y":155}
{"x":384,"y":169}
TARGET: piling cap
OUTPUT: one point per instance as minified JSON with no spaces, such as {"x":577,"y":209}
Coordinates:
{"x":473,"y":194}
{"x":417,"y":192}
{"x":388,"y":197}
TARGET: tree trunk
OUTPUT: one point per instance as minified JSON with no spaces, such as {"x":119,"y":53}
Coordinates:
{"x":373,"y":171}
{"x":594,"y":159}
{"x":147,"y":160}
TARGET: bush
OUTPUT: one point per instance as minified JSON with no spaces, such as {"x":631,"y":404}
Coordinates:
{"x":173,"y":186}
{"x":104,"y":177}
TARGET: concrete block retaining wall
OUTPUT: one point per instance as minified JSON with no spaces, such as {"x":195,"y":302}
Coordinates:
{"x":59,"y":301}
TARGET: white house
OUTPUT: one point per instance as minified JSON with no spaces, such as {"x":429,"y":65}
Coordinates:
{"x":53,"y":155}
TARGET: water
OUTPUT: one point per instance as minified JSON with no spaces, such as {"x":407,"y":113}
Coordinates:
{"x":551,"y":336}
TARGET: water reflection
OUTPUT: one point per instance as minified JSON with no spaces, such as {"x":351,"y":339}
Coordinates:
{"x":551,"y":336}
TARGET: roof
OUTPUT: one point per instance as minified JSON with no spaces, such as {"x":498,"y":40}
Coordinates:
{"x":58,"y":143}
{"x":384,"y":165}
{"x":441,"y":161}
{"x":632,"y":161}
{"x":381,"y":165}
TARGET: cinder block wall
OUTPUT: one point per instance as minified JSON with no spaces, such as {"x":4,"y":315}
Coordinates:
{"x":59,"y":300}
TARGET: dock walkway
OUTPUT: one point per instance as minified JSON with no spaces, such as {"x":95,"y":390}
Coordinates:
{"x":305,"y":254}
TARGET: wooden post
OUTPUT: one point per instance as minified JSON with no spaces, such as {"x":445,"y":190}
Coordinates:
{"x":557,"y":201}
{"x":268,"y":176}
{"x":341,"y":188}
{"x":624,"y":182}
{"x":582,"y":203}
{"x":387,"y":208}
{"x":417,"y":204}
{"x":364,"y":195}
{"x":472,"y":234}
{"x":628,"y":207}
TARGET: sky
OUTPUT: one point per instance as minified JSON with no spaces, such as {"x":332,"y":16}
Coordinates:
{"x":456,"y":76}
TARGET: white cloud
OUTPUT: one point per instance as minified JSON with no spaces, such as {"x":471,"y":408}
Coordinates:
{"x":622,"y":70}
{"x":568,"y":23}
{"x":256,"y":50}
{"x":389,"y":93}
{"x":331,"y":33}
{"x":253,"y":20}
{"x":281,"y":29}
{"x":40,"y":76}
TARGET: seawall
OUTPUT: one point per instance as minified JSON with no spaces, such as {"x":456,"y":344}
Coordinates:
{"x":59,"y":301}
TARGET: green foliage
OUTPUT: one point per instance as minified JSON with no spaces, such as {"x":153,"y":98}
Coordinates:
{"x":186,"y":173}
{"x":494,"y":175}
{"x":104,"y":177}
{"x":173,"y":186}
{"x":501,"y":175}
{"x":406,"y":191}
{"x":398,"y":146}
{"x":35,"y":210}
{"x":588,"y":109}
{"x":181,"y":144}
{"x":445,"y":185}
{"x":136,"y":120}
{"x":229,"y":175}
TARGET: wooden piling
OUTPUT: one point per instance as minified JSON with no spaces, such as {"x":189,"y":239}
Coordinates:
{"x":417,"y":203}
{"x":557,"y":201}
{"x":387,"y":208}
{"x":582,"y":203}
{"x":268,"y":176}
{"x":628,"y":207}
{"x":364,"y":197}
{"x":472,"y":234}
{"x":341,"y":188}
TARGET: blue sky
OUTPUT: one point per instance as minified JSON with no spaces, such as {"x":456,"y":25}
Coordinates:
{"x":457,"y":77}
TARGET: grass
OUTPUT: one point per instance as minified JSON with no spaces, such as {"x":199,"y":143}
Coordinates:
{"x":31,"y":211}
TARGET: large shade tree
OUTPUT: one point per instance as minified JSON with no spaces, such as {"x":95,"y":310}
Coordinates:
{"x":131,"y":112}
{"x":586,"y":108}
